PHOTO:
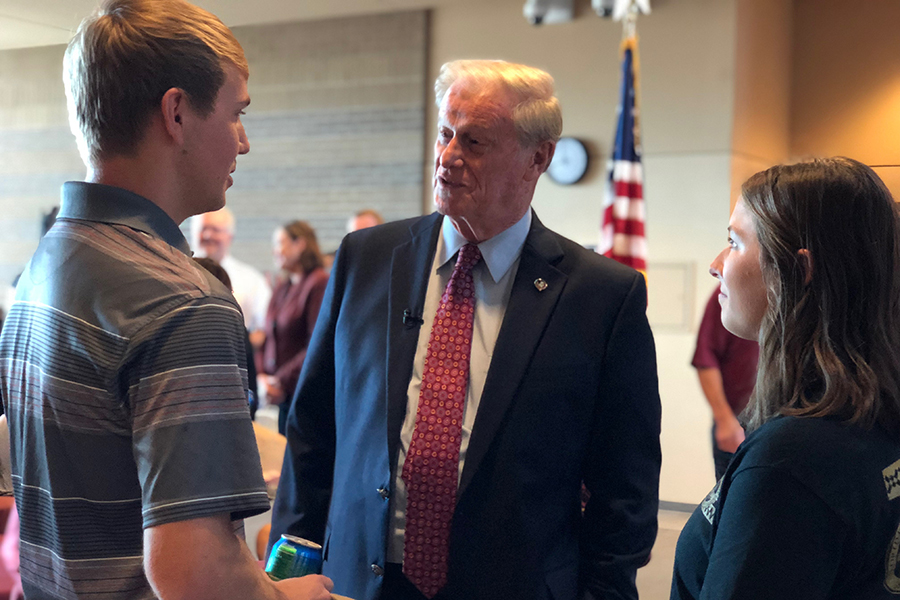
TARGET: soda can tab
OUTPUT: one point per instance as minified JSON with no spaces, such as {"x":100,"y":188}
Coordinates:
{"x":294,"y":557}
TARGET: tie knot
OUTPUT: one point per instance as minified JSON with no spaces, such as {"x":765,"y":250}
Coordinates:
{"x":469,"y":255}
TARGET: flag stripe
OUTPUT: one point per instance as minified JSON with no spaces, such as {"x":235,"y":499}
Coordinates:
{"x":627,"y":208}
{"x":626,"y":170}
{"x":632,"y":246}
{"x":622,"y":235}
{"x":631,"y":190}
{"x":628,"y":227}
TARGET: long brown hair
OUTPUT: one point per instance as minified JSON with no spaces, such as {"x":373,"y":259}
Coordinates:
{"x":830,"y":339}
{"x":311,"y":257}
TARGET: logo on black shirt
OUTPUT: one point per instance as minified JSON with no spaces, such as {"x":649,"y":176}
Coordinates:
{"x":892,"y":480}
{"x":708,"y":506}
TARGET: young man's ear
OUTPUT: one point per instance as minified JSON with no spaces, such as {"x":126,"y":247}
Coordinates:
{"x":806,"y":262}
{"x":173,"y":106}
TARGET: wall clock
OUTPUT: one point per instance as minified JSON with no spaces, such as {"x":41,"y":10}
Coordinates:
{"x":570,"y":162}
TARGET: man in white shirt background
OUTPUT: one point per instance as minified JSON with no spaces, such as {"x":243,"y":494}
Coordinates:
{"x":211,"y":236}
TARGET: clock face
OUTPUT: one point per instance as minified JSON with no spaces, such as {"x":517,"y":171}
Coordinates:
{"x":570,"y":162}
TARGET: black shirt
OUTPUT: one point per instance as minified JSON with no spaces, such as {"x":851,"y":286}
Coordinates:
{"x":809,"y":508}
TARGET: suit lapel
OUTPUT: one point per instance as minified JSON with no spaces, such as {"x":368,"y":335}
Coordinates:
{"x":527,"y":313}
{"x":410,"y":271}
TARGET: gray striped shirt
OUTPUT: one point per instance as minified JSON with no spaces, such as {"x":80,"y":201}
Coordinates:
{"x":123,"y":374}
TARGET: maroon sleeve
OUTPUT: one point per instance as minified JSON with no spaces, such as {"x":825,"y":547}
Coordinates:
{"x":709,"y":337}
{"x":289,"y":373}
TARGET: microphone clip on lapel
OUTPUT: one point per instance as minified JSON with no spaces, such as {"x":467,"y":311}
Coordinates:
{"x":411,"y":320}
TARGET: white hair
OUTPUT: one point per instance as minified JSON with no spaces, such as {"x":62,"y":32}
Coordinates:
{"x":225,"y":212}
{"x":537,"y":115}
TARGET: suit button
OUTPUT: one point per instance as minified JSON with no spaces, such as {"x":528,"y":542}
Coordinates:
{"x":384,"y":493}
{"x":377,"y":570}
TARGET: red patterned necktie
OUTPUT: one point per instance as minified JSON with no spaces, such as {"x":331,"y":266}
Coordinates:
{"x":431,"y":469}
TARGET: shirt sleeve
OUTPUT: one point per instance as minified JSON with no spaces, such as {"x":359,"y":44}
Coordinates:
{"x":774,"y":538}
{"x":192,"y":438}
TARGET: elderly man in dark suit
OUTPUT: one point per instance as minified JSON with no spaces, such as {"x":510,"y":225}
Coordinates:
{"x":469,"y":370}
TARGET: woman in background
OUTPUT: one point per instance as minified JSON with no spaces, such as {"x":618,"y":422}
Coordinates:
{"x":810,"y":505}
{"x":292,"y":313}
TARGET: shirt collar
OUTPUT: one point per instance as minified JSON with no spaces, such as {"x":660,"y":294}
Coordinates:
{"x":499,"y":252}
{"x":108,"y":204}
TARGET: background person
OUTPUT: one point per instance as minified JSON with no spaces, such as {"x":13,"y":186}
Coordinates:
{"x":122,"y":362}
{"x":292,"y":313}
{"x":212,"y":234}
{"x":222,"y":275}
{"x":364,"y":219}
{"x":530,"y":356}
{"x":726,"y":367}
{"x":810,"y":505}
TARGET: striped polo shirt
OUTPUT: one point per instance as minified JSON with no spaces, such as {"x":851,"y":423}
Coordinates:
{"x":123,"y":374}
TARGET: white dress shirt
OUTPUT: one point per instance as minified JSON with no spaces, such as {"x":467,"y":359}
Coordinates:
{"x":493,"y":277}
{"x":251,"y":290}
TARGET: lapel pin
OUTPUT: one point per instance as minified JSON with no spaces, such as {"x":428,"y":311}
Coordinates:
{"x":540,"y":284}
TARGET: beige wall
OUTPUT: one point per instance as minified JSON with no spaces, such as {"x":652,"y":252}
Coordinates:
{"x":846,"y":85}
{"x":762,"y":88}
{"x":326,"y":94}
{"x":37,"y":152}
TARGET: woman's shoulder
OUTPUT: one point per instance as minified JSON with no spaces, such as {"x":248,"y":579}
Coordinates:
{"x":790,"y":439}
{"x":828,"y":456}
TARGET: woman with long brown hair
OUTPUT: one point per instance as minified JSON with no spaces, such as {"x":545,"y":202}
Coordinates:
{"x":292,"y":312}
{"x":810,"y":505}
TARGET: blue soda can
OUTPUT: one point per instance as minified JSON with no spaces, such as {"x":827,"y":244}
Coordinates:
{"x":294,"y":557}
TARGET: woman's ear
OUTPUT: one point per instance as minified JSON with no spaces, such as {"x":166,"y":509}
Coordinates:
{"x":807,"y":262}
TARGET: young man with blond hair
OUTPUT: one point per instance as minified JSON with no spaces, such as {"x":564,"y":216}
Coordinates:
{"x":122,"y":366}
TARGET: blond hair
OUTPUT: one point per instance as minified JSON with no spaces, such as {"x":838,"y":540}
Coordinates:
{"x":127,"y":55}
{"x":537,"y":115}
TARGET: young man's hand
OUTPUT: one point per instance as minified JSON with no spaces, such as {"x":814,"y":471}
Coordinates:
{"x":311,"y":587}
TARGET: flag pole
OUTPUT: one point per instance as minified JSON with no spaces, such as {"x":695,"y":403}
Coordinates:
{"x":630,"y":42}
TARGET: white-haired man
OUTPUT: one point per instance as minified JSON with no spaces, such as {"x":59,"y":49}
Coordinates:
{"x":122,"y":363}
{"x":469,"y":370}
{"x":211,"y":236}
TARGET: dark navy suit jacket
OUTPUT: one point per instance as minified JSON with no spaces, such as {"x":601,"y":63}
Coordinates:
{"x":571,"y":396}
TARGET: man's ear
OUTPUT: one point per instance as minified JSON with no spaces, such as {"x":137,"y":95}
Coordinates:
{"x":540,"y":160}
{"x":173,"y":107}
{"x":806,"y":262}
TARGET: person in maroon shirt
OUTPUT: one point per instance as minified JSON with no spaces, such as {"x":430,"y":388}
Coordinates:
{"x":292,"y":313}
{"x":726,"y":366}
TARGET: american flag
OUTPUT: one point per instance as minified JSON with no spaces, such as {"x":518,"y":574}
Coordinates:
{"x":622,"y":230}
